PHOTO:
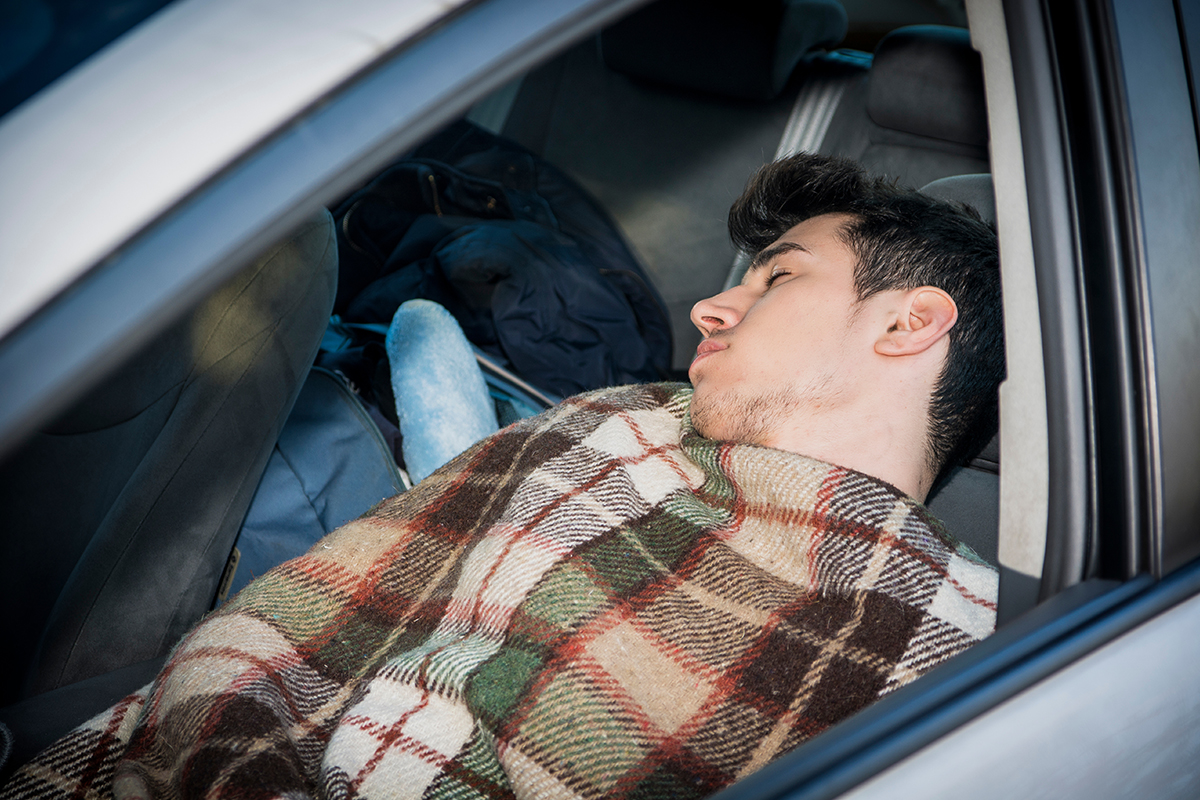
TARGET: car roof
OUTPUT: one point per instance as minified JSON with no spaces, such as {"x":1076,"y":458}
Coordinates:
{"x":100,"y":154}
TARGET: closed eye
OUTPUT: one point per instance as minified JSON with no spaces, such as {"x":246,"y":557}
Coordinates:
{"x":772,"y":254}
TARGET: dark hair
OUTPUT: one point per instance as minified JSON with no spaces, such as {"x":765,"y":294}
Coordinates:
{"x":902,"y":239}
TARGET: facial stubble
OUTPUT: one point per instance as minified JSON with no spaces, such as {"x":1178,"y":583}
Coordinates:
{"x":732,"y":415}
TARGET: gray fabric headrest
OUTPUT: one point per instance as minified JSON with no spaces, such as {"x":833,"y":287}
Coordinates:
{"x":973,"y":190}
{"x":927,"y":80}
{"x":738,"y":48}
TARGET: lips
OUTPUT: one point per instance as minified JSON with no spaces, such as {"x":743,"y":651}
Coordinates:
{"x":707,"y":347}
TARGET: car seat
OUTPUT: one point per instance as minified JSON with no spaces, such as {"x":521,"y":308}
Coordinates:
{"x":123,"y":512}
{"x":915,"y":111}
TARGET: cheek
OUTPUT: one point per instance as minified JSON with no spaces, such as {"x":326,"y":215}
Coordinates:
{"x":820,"y":350}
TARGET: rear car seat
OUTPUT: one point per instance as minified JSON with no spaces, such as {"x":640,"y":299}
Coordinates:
{"x":918,"y":113}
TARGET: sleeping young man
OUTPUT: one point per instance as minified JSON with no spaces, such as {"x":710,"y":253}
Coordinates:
{"x":645,"y":591}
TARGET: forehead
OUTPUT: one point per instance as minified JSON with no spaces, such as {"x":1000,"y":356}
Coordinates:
{"x":822,"y":231}
{"x":818,"y":238}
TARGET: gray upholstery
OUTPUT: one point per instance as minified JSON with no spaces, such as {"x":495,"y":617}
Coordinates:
{"x":972,"y":190}
{"x":913,"y":112}
{"x":930,"y":70}
{"x":121,"y":515}
{"x":969,"y":503}
{"x":919,"y":113}
{"x":736,"y":48}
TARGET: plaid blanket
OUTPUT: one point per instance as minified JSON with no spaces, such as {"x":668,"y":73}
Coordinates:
{"x":596,"y":602}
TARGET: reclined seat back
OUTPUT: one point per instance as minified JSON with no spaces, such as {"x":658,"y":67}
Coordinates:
{"x":122,"y":513}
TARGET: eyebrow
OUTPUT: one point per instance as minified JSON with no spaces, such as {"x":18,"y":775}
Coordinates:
{"x":774,"y":251}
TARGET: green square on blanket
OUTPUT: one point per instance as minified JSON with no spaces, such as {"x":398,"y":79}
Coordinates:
{"x":275,"y":599}
{"x":668,"y":534}
{"x":590,"y":743}
{"x":500,"y":683}
{"x":564,"y":599}
{"x":621,"y":562}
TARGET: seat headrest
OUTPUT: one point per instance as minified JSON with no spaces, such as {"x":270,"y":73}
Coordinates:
{"x":927,"y":80}
{"x":975,"y":191}
{"x":738,"y":48}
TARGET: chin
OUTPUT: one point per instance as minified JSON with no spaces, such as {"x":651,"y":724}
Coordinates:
{"x":701,"y":412}
{"x":701,"y":424}
{"x":730,"y":416}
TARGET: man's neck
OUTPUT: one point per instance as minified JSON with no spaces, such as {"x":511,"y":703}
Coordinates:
{"x":886,"y":443}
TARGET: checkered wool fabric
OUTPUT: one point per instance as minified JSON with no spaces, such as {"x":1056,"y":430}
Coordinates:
{"x":596,"y":602}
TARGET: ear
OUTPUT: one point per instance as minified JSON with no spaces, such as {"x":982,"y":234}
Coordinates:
{"x":923,"y":316}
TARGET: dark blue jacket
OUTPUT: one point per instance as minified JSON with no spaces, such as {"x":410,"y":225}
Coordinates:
{"x":533,"y":269}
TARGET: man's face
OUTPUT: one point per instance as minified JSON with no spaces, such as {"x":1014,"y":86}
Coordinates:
{"x":787,"y":345}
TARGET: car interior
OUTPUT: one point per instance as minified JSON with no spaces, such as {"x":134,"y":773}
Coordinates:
{"x":164,"y":489}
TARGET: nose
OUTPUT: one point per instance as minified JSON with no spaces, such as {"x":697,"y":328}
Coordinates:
{"x":719,"y":312}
